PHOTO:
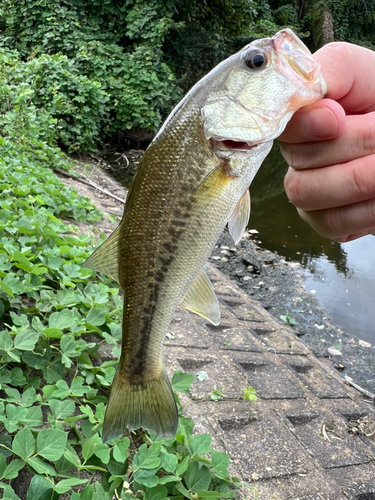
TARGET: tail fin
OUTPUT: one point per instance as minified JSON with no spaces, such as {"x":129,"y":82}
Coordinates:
{"x":150,"y":405}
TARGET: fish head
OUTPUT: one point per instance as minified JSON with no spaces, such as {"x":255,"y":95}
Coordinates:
{"x":252,"y":95}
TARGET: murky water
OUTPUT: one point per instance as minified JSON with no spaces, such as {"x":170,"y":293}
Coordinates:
{"x":342,"y":276}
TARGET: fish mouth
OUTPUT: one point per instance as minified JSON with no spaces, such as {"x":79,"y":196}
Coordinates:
{"x":233,"y":145}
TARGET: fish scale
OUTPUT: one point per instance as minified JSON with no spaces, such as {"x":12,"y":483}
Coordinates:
{"x":191,"y":181}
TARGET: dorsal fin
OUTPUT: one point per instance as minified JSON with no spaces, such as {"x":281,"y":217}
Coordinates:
{"x":201,"y":299}
{"x":240,"y":217}
{"x":105,"y":258}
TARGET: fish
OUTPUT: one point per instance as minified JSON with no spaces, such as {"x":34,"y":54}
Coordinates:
{"x":191,"y":182}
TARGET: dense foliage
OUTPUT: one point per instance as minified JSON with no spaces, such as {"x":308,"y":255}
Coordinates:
{"x":99,"y":68}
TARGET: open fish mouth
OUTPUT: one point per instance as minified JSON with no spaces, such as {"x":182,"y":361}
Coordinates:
{"x":234,"y":145}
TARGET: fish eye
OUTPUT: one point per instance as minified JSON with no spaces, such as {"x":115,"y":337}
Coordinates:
{"x":255,"y":59}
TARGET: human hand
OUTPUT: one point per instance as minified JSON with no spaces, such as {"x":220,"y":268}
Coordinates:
{"x":330,"y":147}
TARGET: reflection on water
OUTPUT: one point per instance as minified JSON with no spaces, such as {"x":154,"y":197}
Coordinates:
{"x":342,"y":275}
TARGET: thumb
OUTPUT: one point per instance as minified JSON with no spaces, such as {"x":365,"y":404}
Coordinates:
{"x":322,"y":120}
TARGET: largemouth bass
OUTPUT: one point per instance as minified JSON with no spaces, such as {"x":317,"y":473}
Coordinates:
{"x":193,"y":180}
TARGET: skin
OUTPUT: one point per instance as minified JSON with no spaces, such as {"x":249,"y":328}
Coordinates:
{"x":330,"y":147}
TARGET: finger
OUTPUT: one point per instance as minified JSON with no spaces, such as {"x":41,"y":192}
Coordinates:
{"x":349,"y":71}
{"x":355,"y":140}
{"x":319,"y":121}
{"x":355,"y":236}
{"x":343,"y":223}
{"x":334,"y":186}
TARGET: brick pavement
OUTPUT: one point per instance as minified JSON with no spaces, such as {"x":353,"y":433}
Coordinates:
{"x":277,"y":444}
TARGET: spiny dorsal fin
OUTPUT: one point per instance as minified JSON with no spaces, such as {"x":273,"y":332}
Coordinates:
{"x":105,"y":258}
{"x":240,"y":217}
{"x":201,"y":299}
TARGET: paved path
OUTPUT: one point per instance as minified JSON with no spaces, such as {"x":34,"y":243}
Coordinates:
{"x":294,"y":442}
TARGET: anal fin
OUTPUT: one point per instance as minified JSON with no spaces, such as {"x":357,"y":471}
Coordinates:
{"x":105,"y":258}
{"x":201,"y":299}
{"x":239,"y":219}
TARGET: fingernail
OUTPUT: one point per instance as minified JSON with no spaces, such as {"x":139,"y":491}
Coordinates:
{"x":320,"y":122}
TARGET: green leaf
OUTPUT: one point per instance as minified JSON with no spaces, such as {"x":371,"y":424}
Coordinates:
{"x":66,"y":484}
{"x":5,"y":376}
{"x":169,"y":479}
{"x":121,"y":450}
{"x":40,"y":466}
{"x":62,"y":320}
{"x":71,"y":348}
{"x":6,"y":288}
{"x":25,"y":340}
{"x":216,"y":494}
{"x":95,"y":446}
{"x":41,"y":489}
{"x":250,"y":393}
{"x":89,"y":446}
{"x":100,"y":494}
{"x":5,"y":441}
{"x":6,"y":341}
{"x":220,"y":464}
{"x":182,"y":467}
{"x":24,"y":443}
{"x":34,"y":417}
{"x":14,"y":396}
{"x":168,"y":462}
{"x":15,"y":414}
{"x":11,"y":472}
{"x":51,"y":443}
{"x":146,"y":477}
{"x":201,"y":443}
{"x":62,"y":465}
{"x":18,"y":378}
{"x":147,"y":458}
{"x":71,"y":455}
{"x":62,"y":409}
{"x":197,"y":477}
{"x":88,"y":493}
{"x":3,"y":465}
{"x":29,"y":397}
{"x":77,"y":388}
{"x":216,"y":395}
{"x":97,"y":316}
{"x":181,"y":381}
{"x":9,"y":494}
{"x":157,"y":493}
{"x":179,"y":487}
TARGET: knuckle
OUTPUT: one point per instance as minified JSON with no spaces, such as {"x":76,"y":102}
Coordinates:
{"x":363,"y":179}
{"x":369,"y":218}
{"x":365,"y":140}
{"x":300,"y":156}
{"x":332,"y":223}
{"x":296,"y":185}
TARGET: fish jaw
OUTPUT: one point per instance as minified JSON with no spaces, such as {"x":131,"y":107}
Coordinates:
{"x":299,"y":66}
{"x":252,"y":106}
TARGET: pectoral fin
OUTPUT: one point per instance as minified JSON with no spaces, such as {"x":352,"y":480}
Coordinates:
{"x":240,"y":217}
{"x":105,"y":258}
{"x":201,"y":299}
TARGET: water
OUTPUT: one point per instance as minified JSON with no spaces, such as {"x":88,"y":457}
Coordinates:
{"x":342,"y":276}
